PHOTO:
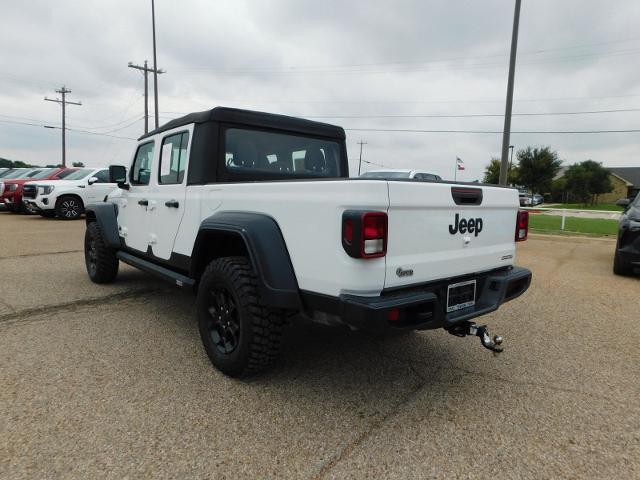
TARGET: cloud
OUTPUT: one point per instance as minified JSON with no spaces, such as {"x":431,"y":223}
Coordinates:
{"x":328,"y":58}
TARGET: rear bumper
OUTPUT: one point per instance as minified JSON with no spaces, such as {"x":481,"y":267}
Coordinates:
{"x":423,"y":307}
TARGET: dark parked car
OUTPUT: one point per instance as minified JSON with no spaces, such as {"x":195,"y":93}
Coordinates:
{"x":627,"y":256}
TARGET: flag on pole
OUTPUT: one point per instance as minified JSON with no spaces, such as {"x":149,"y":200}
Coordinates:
{"x":459,"y":163}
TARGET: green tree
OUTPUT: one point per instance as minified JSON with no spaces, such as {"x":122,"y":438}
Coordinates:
{"x":78,"y":164}
{"x":492,"y":173}
{"x":537,"y":167}
{"x":587,"y":180}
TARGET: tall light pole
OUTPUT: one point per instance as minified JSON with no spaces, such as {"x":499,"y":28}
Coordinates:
{"x":507,"y":113}
{"x":63,"y":91}
{"x":155,"y":63}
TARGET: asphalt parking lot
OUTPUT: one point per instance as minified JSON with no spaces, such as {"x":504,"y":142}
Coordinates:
{"x":112,"y":381}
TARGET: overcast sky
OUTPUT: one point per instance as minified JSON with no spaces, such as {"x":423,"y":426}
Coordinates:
{"x":360,"y":64}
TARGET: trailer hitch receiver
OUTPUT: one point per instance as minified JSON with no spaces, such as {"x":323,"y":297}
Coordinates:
{"x":482,"y":331}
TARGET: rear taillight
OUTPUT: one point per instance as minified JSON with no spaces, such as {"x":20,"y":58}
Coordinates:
{"x":522,"y":225}
{"x":364,"y":234}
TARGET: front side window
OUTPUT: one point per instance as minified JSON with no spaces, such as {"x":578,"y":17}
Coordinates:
{"x":280,"y":154}
{"x":173,"y":158}
{"x":141,"y":168}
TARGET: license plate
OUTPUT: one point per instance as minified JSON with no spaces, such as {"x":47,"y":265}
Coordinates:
{"x":461,"y":295}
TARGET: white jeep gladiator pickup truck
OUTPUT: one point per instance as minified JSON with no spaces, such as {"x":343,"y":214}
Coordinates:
{"x":257,"y":213}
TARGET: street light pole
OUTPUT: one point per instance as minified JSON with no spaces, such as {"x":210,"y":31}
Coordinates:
{"x":509,"y":104}
{"x":155,"y":63}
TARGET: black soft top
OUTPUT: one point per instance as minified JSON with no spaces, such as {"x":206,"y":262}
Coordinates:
{"x":254,"y":119}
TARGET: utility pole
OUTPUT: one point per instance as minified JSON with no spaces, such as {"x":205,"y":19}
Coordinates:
{"x":145,"y":71}
{"x":63,"y":91}
{"x":361,"y":143}
{"x":155,"y":63}
{"x":507,"y":113}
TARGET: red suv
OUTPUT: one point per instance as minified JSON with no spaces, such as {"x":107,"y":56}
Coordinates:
{"x":11,"y":189}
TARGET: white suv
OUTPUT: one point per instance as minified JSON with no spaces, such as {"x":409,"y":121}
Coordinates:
{"x":67,"y":198}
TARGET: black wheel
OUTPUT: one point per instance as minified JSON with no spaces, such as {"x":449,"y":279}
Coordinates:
{"x":47,"y":213}
{"x":101,"y":261}
{"x":240,"y":335}
{"x":621,"y":268}
{"x":69,"y":207}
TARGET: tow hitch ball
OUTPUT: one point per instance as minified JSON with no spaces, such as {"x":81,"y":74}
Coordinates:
{"x":481,"y":331}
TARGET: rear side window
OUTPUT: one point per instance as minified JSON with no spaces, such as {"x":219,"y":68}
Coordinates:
{"x":280,"y":154}
{"x":173,"y":158}
{"x":142,"y":164}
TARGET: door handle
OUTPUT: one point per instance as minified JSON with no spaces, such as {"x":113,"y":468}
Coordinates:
{"x":172,"y":204}
{"x":144,"y":203}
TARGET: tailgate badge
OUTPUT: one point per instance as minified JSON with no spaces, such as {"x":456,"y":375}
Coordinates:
{"x":404,"y":273}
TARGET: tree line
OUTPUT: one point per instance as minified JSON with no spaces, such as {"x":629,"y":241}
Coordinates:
{"x":536,"y":170}
{"x":6,"y":163}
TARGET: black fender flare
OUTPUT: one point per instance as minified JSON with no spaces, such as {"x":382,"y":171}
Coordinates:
{"x":105,"y":215}
{"x":267,"y":251}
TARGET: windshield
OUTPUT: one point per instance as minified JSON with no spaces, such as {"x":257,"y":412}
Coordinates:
{"x":15,"y":174}
{"x":44,"y":173}
{"x":386,"y":175}
{"x":80,"y":174}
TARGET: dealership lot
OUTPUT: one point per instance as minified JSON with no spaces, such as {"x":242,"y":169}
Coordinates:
{"x":112,"y":380}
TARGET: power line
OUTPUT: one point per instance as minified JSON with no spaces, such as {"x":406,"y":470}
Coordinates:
{"x":540,"y":132}
{"x":399,"y":102}
{"x":69,"y":129}
{"x":409,"y":62}
{"x":475,"y":115}
{"x":424,"y":66}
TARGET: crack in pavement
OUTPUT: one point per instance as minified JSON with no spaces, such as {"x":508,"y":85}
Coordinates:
{"x":5,"y":304}
{"x":344,"y":452}
{"x":25,"y":315}
{"x":23,"y":255}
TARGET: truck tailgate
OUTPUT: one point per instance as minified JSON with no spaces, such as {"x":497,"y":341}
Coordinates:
{"x":429,"y":231}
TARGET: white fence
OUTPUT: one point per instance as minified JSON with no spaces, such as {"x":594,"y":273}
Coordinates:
{"x":574,"y":212}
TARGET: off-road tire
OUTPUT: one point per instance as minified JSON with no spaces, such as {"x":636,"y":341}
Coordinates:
{"x":260,"y":328}
{"x":100,"y":260}
{"x":69,"y":207}
{"x":621,"y":268}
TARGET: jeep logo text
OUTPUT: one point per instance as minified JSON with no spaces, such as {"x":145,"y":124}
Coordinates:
{"x":472,"y":225}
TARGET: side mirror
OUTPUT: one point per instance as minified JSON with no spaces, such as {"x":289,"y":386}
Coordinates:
{"x":92,"y":180}
{"x":118,"y":175}
{"x":623,"y":202}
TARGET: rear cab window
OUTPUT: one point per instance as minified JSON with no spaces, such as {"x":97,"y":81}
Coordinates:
{"x":261,"y":155}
